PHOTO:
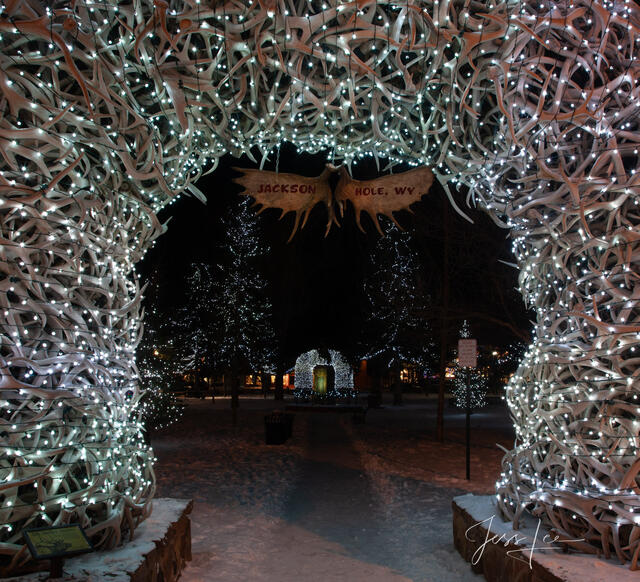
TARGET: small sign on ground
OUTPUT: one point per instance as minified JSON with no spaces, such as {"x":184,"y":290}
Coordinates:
{"x":57,"y":542}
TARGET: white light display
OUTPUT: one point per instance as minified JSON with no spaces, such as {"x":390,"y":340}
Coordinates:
{"x":305,"y":364}
{"x":468,"y":380}
{"x":111,"y":109}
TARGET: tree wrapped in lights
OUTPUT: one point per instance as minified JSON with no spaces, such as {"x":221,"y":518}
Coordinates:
{"x":244,"y":340}
{"x":397,"y":332}
{"x":110,"y":111}
{"x":158,"y":369}
{"x":471,"y":377}
{"x":196,"y":324}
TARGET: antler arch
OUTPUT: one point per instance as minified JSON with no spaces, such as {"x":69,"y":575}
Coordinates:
{"x":111,"y":109}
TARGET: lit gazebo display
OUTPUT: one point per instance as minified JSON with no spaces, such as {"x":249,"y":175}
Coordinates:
{"x":323,"y":374}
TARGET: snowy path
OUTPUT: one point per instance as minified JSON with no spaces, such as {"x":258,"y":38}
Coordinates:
{"x":326,"y":506}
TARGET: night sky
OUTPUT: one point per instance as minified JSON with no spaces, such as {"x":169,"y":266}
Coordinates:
{"x":315,"y":283}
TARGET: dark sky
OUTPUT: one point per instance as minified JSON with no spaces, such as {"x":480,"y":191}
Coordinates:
{"x":316,"y":282}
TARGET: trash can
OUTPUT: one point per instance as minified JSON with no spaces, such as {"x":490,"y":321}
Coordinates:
{"x":275,"y":429}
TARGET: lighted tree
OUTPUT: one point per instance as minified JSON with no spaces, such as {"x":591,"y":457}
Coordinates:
{"x":244,"y":340}
{"x":193,"y":326}
{"x":476,"y":381}
{"x":396,"y":332}
{"x":157,"y":366}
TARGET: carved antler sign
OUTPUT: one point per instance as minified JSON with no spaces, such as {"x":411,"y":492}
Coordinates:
{"x":299,"y":194}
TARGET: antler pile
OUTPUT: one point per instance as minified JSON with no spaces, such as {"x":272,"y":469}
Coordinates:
{"x":110,"y":109}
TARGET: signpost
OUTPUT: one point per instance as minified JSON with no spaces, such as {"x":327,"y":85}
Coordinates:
{"x":56,"y":544}
{"x":468,"y":353}
{"x":468,"y":358}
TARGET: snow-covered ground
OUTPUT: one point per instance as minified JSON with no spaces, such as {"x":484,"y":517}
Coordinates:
{"x":337,"y":502}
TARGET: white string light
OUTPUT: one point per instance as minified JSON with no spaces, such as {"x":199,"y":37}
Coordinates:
{"x":468,"y":380}
{"x":304,"y":370}
{"x":111,"y":110}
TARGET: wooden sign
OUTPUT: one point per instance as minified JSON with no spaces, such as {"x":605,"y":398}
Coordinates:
{"x":57,"y":542}
{"x":468,"y":353}
{"x":299,"y":194}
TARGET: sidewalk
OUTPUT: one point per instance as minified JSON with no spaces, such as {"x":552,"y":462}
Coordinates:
{"x":321,"y":507}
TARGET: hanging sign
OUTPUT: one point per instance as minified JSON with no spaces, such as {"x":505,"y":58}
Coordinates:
{"x":384,"y":195}
{"x":468,"y":353}
{"x":288,"y":192}
{"x":299,"y":194}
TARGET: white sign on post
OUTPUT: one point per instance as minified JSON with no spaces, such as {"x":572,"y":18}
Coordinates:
{"x":468,"y":353}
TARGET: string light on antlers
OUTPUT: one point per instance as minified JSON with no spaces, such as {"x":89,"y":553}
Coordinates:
{"x":304,"y":374}
{"x":111,"y":110}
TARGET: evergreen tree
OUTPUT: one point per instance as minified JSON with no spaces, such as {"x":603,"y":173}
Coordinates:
{"x":396,"y":331}
{"x":477,"y":382}
{"x":244,"y":337}
{"x":195,"y":325}
{"x":224,"y":326}
{"x":157,"y":368}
